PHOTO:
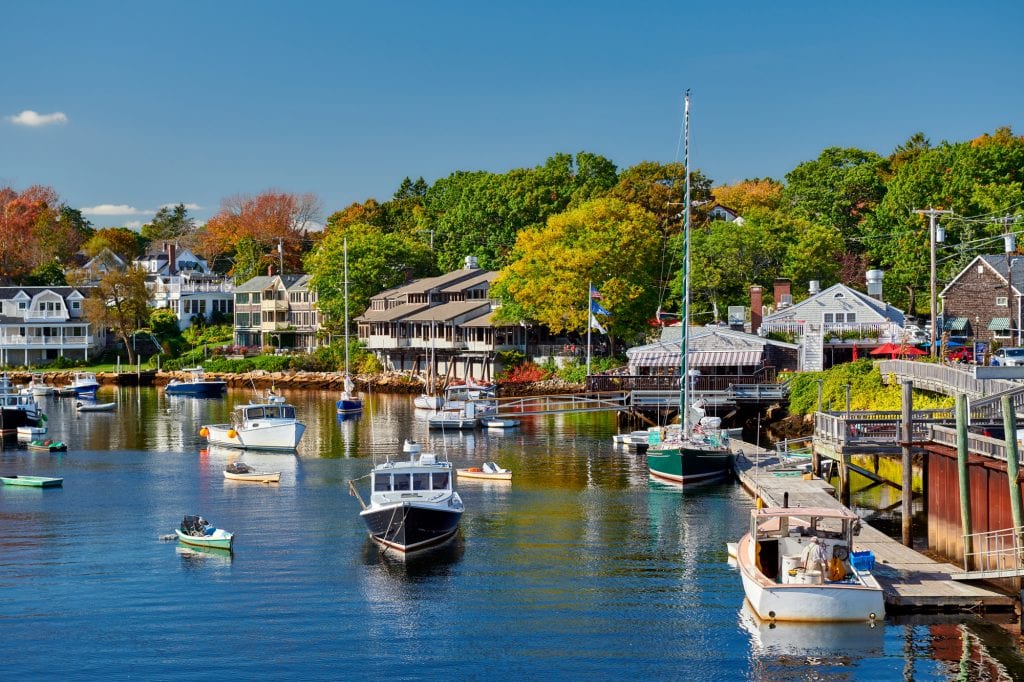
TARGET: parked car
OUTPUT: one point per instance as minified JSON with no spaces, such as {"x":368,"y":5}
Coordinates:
{"x":1008,"y":357}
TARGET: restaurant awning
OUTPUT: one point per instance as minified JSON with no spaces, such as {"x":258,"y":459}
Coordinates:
{"x":999,"y":324}
{"x":955,"y":324}
{"x":698,"y":358}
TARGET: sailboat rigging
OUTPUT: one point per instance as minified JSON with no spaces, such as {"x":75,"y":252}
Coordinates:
{"x":348,"y":403}
{"x":697,"y":451}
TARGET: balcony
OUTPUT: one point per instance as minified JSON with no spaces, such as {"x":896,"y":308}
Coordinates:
{"x":275,"y":326}
{"x":274,"y":306}
{"x":45,"y":341}
{"x":46,"y":315}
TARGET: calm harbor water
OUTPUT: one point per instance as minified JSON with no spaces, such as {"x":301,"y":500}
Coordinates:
{"x":582,"y":568}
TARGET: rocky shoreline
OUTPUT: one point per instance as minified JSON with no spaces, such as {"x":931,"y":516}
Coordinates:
{"x":386,"y":382}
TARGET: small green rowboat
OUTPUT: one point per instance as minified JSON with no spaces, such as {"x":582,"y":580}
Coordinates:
{"x":32,"y":481}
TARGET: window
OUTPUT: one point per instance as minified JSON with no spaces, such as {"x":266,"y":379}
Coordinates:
{"x":22,"y":305}
{"x":440,"y":481}
{"x":421,"y":481}
{"x":401,"y":481}
{"x":828,"y":318}
{"x":1001,"y":301}
{"x":76,"y":305}
{"x":242,"y":319}
{"x":381,"y":483}
{"x":851,"y":317}
{"x":256,"y":298}
{"x":241,"y":298}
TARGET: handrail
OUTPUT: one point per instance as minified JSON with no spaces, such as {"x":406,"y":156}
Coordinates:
{"x":995,"y":550}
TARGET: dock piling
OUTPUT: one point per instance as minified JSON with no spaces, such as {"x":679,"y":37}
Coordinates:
{"x":963,"y":475}
{"x":906,"y":436}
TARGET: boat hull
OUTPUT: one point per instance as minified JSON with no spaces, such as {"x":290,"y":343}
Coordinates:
{"x":461,"y":423}
{"x":222,"y":542}
{"x":484,"y":475}
{"x":256,"y":477}
{"x":269,"y":437}
{"x":807,"y":603}
{"x":428,"y":402}
{"x":88,"y":389}
{"x":688,"y":465}
{"x":407,"y":527}
{"x":43,"y":446}
{"x":197,"y":389}
{"x":33,"y":481}
{"x":348,"y":406}
{"x":100,"y":407}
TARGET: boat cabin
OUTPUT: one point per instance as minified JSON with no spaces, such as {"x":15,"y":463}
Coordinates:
{"x":251,"y":413}
{"x":401,"y":481}
{"x":784,"y":535}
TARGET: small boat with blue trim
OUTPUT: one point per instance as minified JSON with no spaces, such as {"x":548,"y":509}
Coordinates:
{"x":197,"y":531}
{"x":32,"y":481}
{"x":84,"y":383}
{"x":196,"y":385}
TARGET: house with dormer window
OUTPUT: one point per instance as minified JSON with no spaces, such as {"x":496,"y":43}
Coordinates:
{"x":278,"y":311}
{"x":40,"y":324}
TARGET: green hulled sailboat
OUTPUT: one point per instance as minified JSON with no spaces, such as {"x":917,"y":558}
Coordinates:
{"x":697,"y":450}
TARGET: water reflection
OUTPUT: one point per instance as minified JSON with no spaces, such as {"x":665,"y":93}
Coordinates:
{"x":843,"y":642}
{"x":193,"y":558}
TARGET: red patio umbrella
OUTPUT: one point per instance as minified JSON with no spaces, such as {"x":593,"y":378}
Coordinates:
{"x":886,"y":349}
{"x":855,"y":356}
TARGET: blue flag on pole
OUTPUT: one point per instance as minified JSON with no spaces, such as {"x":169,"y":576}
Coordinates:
{"x":596,"y":307}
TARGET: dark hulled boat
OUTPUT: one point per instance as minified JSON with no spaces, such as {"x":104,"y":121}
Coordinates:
{"x":413,"y":503}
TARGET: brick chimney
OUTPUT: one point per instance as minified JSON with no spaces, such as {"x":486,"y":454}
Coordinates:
{"x":783,"y":293}
{"x":270,"y":271}
{"x":172,"y":257}
{"x":755,"y":308}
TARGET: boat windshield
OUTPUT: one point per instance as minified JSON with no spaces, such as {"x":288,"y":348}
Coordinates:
{"x":386,"y":482}
{"x":421,"y":481}
{"x":441,"y":480}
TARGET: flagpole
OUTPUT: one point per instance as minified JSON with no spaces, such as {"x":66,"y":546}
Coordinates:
{"x":590,"y":287}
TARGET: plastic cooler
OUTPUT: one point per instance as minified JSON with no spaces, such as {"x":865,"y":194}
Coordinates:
{"x":863,"y":561}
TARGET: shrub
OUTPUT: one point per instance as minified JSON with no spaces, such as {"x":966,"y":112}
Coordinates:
{"x":523,"y":373}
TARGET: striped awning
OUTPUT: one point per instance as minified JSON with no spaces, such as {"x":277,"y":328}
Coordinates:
{"x":955,"y":324}
{"x":700,"y":358}
{"x":999,"y":324}
{"x":725,"y":358}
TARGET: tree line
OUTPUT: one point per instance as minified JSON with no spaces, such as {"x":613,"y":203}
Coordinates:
{"x":578,"y":219}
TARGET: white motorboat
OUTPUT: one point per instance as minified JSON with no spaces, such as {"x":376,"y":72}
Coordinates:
{"x":425,"y":401}
{"x":413,"y":503}
{"x":260,"y":426}
{"x":796,"y":566}
{"x":38,"y":385}
{"x":196,"y":385}
{"x":17,"y":409}
{"x":452,"y":420}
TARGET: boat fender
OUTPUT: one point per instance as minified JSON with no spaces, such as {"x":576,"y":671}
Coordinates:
{"x":232,"y":433}
{"x":204,"y":432}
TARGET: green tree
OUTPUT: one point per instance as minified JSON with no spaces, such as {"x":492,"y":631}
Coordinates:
{"x":251,"y":259}
{"x":49,"y":274}
{"x":608,"y":242}
{"x":120,"y":302}
{"x":164,"y":323}
{"x":377,"y":260}
{"x":169,"y":223}
{"x":126,"y":243}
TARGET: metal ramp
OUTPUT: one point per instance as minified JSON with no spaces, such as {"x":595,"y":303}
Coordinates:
{"x":994,"y":554}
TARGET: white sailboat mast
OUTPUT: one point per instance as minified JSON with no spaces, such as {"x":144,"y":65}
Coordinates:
{"x":685,"y":317}
{"x":345,"y":249}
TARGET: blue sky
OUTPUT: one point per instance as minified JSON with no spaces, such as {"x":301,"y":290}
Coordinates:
{"x":192,"y":102}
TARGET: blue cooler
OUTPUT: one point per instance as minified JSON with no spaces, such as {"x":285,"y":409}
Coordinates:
{"x":863,"y":561}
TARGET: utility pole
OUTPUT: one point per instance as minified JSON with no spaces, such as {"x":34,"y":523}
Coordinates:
{"x":1009,"y":248}
{"x":932,"y":214}
{"x":280,"y":255}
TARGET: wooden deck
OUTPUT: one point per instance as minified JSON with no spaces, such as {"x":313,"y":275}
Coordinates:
{"x":910,"y":580}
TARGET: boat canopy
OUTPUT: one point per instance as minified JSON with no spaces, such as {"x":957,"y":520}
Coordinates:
{"x":386,"y":481}
{"x":253,"y":412}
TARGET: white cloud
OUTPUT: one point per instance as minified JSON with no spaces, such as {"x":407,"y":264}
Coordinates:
{"x":188,"y":207}
{"x":314,"y":226}
{"x":113,"y":209}
{"x":133,"y":224}
{"x":33,"y":119}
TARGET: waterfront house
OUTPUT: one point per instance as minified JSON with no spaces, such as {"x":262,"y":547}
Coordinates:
{"x":277,"y":310}
{"x":983,"y":301}
{"x":182,"y":282}
{"x":835,"y":325}
{"x":40,"y":324}
{"x":103,"y":262}
{"x":449,"y":318}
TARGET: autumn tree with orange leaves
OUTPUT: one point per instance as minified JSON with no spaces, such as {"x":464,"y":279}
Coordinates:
{"x":259,"y":223}
{"x":35,"y":231}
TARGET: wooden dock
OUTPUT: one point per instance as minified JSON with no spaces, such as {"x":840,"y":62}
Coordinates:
{"x":910,"y":580}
